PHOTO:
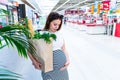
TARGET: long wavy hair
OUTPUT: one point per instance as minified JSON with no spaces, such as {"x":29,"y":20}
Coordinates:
{"x":53,"y":16}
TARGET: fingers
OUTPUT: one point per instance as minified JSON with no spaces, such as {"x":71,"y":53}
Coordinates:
{"x":37,"y":65}
{"x":65,"y":66}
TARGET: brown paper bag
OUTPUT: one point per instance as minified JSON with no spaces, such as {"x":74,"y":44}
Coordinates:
{"x":44,"y":54}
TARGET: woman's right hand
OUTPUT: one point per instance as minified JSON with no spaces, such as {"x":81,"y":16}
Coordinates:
{"x":36,"y":64}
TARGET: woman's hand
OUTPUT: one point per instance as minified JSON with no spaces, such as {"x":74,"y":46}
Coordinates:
{"x":36,"y":64}
{"x":65,"y":65}
{"x":67,"y":57}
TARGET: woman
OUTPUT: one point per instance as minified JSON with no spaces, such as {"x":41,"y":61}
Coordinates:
{"x":60,"y":55}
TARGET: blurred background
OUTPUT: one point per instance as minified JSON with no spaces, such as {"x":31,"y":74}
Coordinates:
{"x":91,"y":29}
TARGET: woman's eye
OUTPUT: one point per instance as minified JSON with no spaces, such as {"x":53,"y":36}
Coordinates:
{"x":55,"y":24}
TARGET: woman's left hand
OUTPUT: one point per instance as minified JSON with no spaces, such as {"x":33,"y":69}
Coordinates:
{"x":65,"y":65}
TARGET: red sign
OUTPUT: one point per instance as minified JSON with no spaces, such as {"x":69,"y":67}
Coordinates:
{"x":106,"y":5}
{"x":74,"y":11}
{"x":117,"y":30}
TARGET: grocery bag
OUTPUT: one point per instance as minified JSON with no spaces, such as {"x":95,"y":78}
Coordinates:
{"x":44,"y":53}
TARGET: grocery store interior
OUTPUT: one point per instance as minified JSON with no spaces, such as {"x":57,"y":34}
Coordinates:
{"x":91,"y":30}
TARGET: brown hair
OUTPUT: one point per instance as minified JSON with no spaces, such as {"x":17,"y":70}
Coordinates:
{"x":53,"y":16}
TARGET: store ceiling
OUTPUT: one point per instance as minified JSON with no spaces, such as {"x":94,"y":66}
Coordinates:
{"x":46,"y":6}
{"x":72,"y":4}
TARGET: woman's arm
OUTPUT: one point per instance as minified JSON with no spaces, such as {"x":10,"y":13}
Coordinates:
{"x":36,"y":64}
{"x":67,"y":57}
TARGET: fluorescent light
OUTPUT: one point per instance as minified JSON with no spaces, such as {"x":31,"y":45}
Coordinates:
{"x":46,"y":5}
{"x":77,"y":4}
{"x":62,"y":5}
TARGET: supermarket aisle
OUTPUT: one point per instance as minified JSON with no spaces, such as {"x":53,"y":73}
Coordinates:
{"x":93,"y":57}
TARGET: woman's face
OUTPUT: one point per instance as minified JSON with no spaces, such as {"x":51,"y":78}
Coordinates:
{"x":54,"y":25}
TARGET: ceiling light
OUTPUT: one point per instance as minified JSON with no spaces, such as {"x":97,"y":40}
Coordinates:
{"x":62,"y":5}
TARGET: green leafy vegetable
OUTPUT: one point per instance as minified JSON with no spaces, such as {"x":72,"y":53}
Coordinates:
{"x":46,"y":36}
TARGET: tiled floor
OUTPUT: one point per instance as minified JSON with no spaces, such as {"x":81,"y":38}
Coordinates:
{"x":93,"y":57}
